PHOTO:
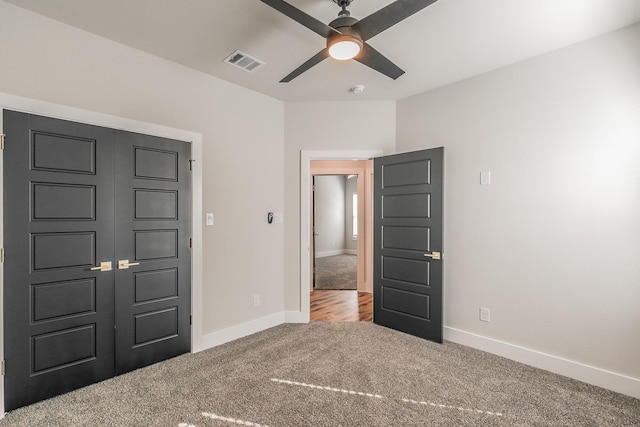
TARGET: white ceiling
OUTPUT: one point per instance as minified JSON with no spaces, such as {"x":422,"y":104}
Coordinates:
{"x":448,"y":41}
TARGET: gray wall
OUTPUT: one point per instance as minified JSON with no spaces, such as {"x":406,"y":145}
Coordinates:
{"x":242,"y":171}
{"x":552,"y":245}
{"x":330,"y":215}
{"x":334,"y":210}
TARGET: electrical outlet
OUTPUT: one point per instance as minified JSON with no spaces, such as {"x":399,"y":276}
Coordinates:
{"x":256,"y":299}
{"x":485,"y":314}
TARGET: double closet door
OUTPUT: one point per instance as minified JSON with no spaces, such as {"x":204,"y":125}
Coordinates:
{"x":97,"y":254}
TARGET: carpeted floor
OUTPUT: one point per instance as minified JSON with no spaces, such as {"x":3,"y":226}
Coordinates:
{"x":337,"y":272}
{"x":335,"y":374}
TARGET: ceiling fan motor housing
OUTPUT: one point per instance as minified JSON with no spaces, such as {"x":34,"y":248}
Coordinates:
{"x":343,"y":26}
{"x":341,"y":22}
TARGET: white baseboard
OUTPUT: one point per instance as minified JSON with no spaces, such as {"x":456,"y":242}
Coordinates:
{"x":242,"y":330}
{"x":329,"y":253}
{"x":336,"y":252}
{"x":576,"y":370}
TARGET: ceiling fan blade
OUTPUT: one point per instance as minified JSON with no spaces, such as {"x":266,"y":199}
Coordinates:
{"x":388,"y":16}
{"x":374,"y":59}
{"x":302,"y":18}
{"x":316,"y":59}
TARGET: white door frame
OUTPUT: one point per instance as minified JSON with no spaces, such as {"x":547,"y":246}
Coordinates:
{"x":33,"y":106}
{"x":306,"y":156}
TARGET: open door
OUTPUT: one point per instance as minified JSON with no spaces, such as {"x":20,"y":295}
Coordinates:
{"x":407,"y":269}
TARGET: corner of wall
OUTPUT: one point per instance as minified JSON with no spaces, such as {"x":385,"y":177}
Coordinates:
{"x":232,"y":333}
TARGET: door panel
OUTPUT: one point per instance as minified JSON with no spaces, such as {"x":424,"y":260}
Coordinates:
{"x":63,"y":202}
{"x":58,"y":224}
{"x":407,"y":228}
{"x":407,"y":238}
{"x":66,"y":152}
{"x":155,"y":285}
{"x":156,"y":204}
{"x":152,"y":229}
{"x":69,"y":298}
{"x":63,"y":250}
{"x":155,"y":244}
{"x":405,"y":302}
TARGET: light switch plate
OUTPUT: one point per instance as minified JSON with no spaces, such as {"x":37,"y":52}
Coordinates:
{"x":209,"y":219}
{"x":485,"y":178}
{"x":278,"y":217}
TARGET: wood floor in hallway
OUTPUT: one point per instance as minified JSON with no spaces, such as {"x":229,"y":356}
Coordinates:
{"x":341,"y":306}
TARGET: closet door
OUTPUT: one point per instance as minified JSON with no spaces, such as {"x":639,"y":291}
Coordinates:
{"x":153,"y":283}
{"x":98,"y":261}
{"x":58,"y":228}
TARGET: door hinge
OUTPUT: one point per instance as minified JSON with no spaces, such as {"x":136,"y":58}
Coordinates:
{"x":191,"y":161}
{"x":1,"y":255}
{"x":2,"y":370}
{"x":2,"y":135}
{"x":190,"y":319}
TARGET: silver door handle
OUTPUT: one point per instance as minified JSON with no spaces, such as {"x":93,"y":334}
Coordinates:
{"x":434,"y":255}
{"x":124,"y":263}
{"x":104,"y":266}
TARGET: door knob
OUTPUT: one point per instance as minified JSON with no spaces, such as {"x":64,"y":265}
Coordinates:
{"x":124,"y":263}
{"x":104,"y":266}
{"x":433,"y":255}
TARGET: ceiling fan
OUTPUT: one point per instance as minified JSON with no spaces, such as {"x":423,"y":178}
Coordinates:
{"x":347,"y":37}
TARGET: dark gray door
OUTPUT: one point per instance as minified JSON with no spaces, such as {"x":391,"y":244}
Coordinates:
{"x":58,"y":225}
{"x":153,"y":284}
{"x":407,"y":286}
{"x":77,"y":196}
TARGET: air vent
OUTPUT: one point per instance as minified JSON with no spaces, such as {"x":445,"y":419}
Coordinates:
{"x":244,"y":61}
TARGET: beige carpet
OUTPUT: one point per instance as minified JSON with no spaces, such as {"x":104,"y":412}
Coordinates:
{"x":335,"y":374}
{"x":337,"y":272}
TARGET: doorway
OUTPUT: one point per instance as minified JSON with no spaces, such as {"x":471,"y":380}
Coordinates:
{"x":408,"y":238}
{"x":340,"y":233}
{"x":335,"y":223}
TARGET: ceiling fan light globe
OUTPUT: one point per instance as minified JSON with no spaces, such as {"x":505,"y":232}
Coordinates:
{"x":345,"y":46}
{"x":344,"y":50}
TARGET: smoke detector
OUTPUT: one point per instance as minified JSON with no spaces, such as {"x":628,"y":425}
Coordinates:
{"x":357,"y":89}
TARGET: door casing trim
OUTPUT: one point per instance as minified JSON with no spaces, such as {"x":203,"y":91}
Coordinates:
{"x":43,"y":108}
{"x":306,"y":156}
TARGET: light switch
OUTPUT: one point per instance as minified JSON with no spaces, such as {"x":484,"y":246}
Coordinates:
{"x":485,"y":178}
{"x":209,"y":219}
